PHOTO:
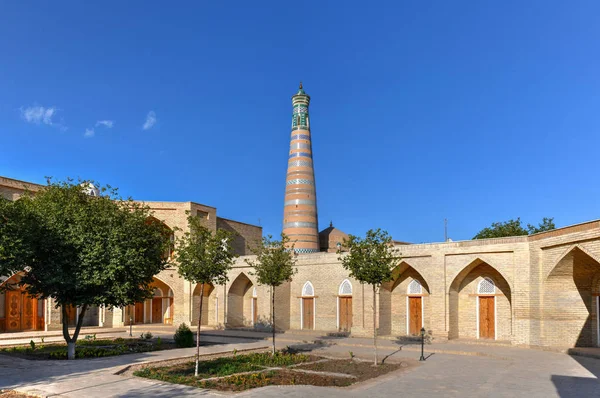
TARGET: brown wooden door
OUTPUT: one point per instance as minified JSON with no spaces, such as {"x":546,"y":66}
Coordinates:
{"x":157,"y":310}
{"x":415,"y":320}
{"x":71,"y":316}
{"x":254,"y":310}
{"x":28,"y":315}
{"x":486,"y":318}
{"x":345,"y":313}
{"x":13,"y":310}
{"x":308,"y":316}
{"x":139,"y":313}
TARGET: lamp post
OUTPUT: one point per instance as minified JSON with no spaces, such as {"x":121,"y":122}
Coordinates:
{"x":130,"y":325}
{"x":422,"y":344}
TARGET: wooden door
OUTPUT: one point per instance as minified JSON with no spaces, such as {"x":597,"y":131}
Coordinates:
{"x":415,"y":320}
{"x":13,"y":310}
{"x":71,"y":316}
{"x":254,"y":311}
{"x":139,"y":313}
{"x":157,"y":310}
{"x":28,"y":314}
{"x":345,"y":313}
{"x":487,"y":321}
{"x":308,"y":316}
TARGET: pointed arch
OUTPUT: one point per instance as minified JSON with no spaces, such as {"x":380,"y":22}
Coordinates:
{"x":308,"y":290}
{"x":480,"y":302}
{"x":239,"y":297}
{"x":209,"y":304}
{"x":345,"y":288}
{"x":573,"y":279}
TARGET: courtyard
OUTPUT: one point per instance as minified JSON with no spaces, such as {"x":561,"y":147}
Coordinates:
{"x":458,"y":368}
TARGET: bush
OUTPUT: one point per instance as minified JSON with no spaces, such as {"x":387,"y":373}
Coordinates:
{"x":183,"y":336}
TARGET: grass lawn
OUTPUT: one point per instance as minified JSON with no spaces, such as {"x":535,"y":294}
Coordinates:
{"x":88,"y":348}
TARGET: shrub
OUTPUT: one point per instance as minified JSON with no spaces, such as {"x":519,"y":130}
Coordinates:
{"x":148,"y":336}
{"x":32,"y":344}
{"x":183,"y":336}
{"x":158,"y":342}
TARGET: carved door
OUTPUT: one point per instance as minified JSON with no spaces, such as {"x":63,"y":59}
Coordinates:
{"x":13,"y":310}
{"x":139,"y":313}
{"x":415,"y":316}
{"x":308,"y":316}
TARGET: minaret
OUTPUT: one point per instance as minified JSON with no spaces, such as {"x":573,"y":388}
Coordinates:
{"x":300,"y":208}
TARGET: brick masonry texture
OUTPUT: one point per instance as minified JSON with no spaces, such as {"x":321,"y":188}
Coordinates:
{"x":547,"y":286}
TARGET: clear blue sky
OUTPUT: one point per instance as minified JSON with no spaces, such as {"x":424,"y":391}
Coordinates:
{"x":472,"y":111}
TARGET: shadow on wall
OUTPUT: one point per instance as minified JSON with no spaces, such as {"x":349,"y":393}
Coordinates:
{"x":578,"y":386}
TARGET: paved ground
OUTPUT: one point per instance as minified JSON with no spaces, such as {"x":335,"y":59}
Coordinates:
{"x":452,"y":369}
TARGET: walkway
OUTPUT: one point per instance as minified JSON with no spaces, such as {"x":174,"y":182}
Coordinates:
{"x":451,"y":370}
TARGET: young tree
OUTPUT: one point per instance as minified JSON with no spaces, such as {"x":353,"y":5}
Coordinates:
{"x":87,"y":250}
{"x":370,"y":260}
{"x":205,"y":258}
{"x":514,"y":228}
{"x":274,"y":265}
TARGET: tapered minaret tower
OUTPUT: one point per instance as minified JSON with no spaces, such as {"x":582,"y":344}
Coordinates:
{"x":300,"y":208}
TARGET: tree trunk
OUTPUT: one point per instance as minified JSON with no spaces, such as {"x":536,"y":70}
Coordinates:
{"x":273,"y":316}
{"x":71,"y":341}
{"x":375,"y":323}
{"x":198,"y":331}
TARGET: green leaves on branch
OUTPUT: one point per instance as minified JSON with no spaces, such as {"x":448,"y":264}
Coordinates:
{"x":371,"y":259}
{"x":275,"y":261}
{"x":514,"y":228}
{"x":204,"y":257}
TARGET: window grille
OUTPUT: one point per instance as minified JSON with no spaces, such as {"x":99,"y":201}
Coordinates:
{"x":308,"y":290}
{"x":346,"y":288}
{"x":415,"y":287}
{"x":486,"y":286}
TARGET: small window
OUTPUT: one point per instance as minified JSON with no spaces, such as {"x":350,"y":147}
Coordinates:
{"x":254,"y":292}
{"x":486,"y":286}
{"x":415,"y":287}
{"x":345,"y":288}
{"x":308,"y":289}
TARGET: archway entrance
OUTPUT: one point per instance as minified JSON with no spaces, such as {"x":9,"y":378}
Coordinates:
{"x":158,"y":309}
{"x":571,"y":304}
{"x":480,"y":304}
{"x":208,"y":312}
{"x":19,"y":311}
{"x":404,"y":303}
{"x":239,"y":299}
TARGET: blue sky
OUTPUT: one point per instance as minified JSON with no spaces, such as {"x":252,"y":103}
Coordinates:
{"x":471,"y":111}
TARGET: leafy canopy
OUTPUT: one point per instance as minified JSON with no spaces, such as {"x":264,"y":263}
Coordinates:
{"x":370,"y":260}
{"x":514,"y":228}
{"x":275,"y":261}
{"x":204,"y":257}
{"x":84,"y":250}
{"x":15,"y":236}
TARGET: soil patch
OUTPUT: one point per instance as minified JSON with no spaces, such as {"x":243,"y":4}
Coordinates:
{"x":360,"y":369}
{"x":14,"y":394}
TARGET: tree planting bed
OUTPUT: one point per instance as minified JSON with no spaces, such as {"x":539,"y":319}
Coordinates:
{"x":243,"y":372}
{"x":89,"y":348}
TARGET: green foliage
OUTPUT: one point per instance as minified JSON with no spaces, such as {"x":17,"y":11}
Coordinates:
{"x":159,"y":342}
{"x":370,"y":260}
{"x":183,"y":336}
{"x":16,"y":239}
{"x":514,"y":228}
{"x":204,"y":257}
{"x":147,"y":336}
{"x":32,"y":345}
{"x":82,"y":250}
{"x":275,"y":261}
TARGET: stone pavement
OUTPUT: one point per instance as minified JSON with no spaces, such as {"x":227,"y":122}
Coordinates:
{"x":451,"y":370}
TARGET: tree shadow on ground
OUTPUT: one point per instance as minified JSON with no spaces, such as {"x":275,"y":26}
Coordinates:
{"x":577,"y":386}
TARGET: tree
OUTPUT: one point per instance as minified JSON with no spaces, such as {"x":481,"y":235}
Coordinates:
{"x":370,"y":260}
{"x":15,"y":236}
{"x":514,"y":228}
{"x":87,"y":250}
{"x":273,"y":266}
{"x":205,"y":258}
